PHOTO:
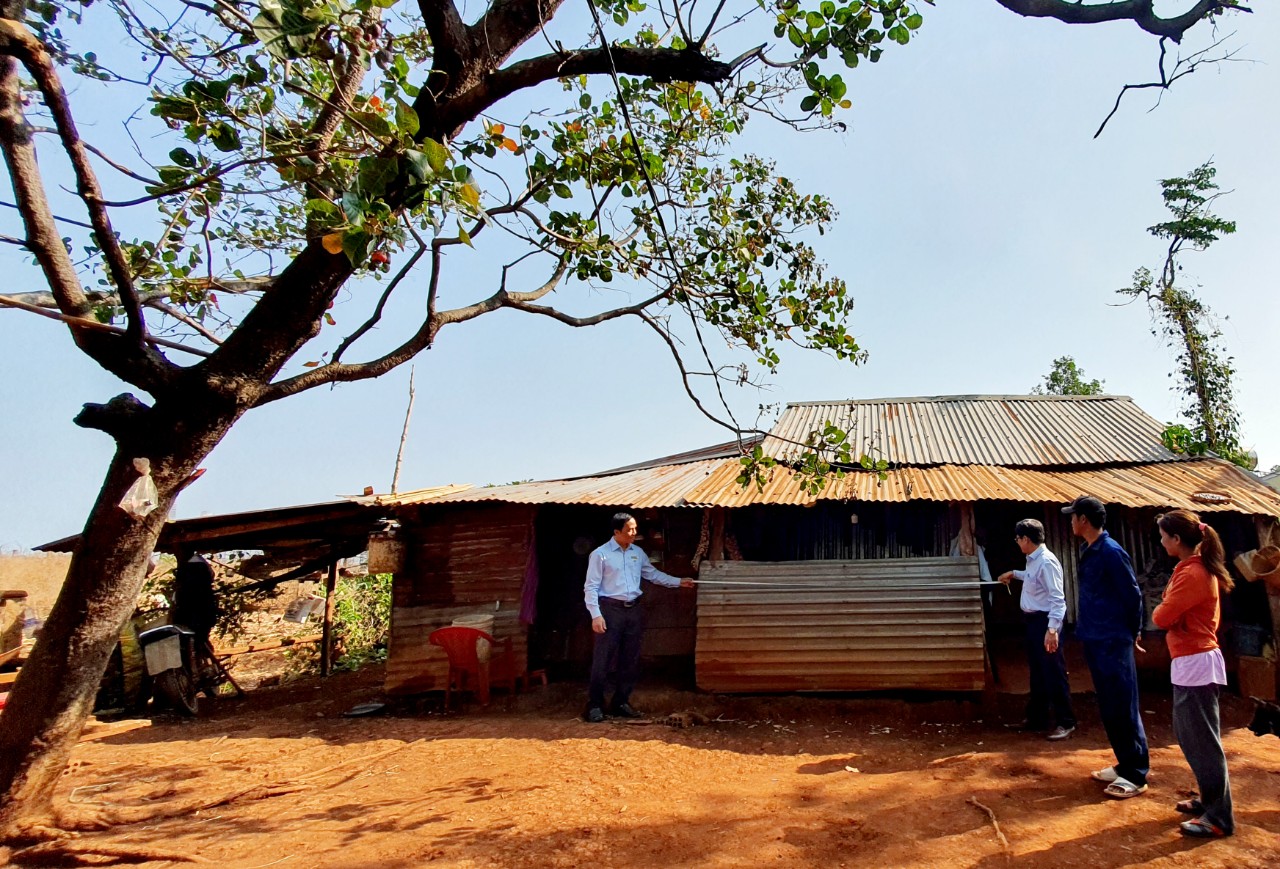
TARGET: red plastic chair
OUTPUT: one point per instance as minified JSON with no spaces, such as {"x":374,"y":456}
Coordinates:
{"x":465,"y":666}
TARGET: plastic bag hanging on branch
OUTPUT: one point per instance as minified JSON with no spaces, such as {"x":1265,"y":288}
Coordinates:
{"x":142,"y":496}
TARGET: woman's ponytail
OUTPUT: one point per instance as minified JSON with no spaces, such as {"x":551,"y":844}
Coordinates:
{"x":1188,"y":528}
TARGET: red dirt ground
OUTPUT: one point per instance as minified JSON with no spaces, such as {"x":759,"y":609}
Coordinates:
{"x":776,"y":781}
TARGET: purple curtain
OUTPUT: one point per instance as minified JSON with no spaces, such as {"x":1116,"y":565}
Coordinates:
{"x":529,"y":593}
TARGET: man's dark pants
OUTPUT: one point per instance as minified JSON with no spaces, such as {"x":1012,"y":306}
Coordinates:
{"x":624,"y":627}
{"x":1115,"y":680}
{"x":1050,"y":688}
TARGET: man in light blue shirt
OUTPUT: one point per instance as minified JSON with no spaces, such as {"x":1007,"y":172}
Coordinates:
{"x":612,"y":593}
{"x":1044,"y":606}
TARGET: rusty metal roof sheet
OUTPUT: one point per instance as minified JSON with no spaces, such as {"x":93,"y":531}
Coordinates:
{"x":664,"y":486}
{"x":1007,"y":430}
{"x":1169,"y":484}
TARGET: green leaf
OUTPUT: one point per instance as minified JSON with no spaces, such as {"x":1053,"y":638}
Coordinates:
{"x":406,"y":117}
{"x":437,"y":155}
{"x":355,"y":244}
{"x":419,"y":168}
{"x":375,"y":174}
{"x":464,"y":235}
{"x":353,"y":208}
{"x":374,"y":123}
{"x":182,"y":157}
{"x":809,"y":103}
{"x":285,"y":31}
{"x":914,"y":20}
{"x":224,"y":136}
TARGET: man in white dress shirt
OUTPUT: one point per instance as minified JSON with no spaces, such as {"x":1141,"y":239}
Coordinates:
{"x":1044,"y":606}
{"x":612,"y":593}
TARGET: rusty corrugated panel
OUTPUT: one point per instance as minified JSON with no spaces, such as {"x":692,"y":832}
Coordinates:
{"x":468,"y":559}
{"x":1169,"y":484}
{"x":649,"y":487}
{"x":1025,"y":430}
{"x":866,"y":625}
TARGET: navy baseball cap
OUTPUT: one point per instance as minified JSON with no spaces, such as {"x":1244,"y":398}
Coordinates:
{"x":1086,"y":505}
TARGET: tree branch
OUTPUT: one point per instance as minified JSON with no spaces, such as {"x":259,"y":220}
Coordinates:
{"x":181,"y":316}
{"x":684,"y":377}
{"x":507,"y":25}
{"x":419,"y":341}
{"x":1140,"y":12}
{"x":382,"y":302}
{"x":660,"y":64}
{"x":1182,"y":67}
{"x":450,"y":42}
{"x":17,"y":40}
{"x":93,"y":325}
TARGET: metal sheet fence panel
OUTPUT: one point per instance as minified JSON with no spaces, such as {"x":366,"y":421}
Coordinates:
{"x":891,"y":624}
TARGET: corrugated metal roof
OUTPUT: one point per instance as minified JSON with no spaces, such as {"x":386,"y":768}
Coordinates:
{"x":649,"y":487}
{"x":1158,"y":485}
{"x":728,"y":449}
{"x":1007,"y":430}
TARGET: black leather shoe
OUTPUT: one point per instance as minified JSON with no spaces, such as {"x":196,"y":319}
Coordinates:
{"x":624,"y":710}
{"x":594,"y":715}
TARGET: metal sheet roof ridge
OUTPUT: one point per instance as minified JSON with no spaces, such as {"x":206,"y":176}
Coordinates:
{"x":925,"y":399}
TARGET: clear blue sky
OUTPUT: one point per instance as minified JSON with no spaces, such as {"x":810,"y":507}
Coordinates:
{"x":982,"y":230}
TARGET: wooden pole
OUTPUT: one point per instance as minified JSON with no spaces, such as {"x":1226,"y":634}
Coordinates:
{"x":404,"y":436}
{"x":326,"y":642}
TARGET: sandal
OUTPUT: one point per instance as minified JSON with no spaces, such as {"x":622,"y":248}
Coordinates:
{"x":1192,"y":806}
{"x":1122,"y":789}
{"x":1106,"y":776}
{"x":1201,"y":829}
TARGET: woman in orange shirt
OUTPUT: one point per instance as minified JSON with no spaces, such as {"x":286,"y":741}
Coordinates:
{"x":1189,"y":613}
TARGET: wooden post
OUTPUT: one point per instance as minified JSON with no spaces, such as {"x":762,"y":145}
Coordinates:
{"x":968,"y":545}
{"x":326,"y":642}
{"x":715,"y":552}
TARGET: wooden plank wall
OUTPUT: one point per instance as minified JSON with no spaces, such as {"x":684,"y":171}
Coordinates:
{"x":886,"y":624}
{"x":460,"y":560}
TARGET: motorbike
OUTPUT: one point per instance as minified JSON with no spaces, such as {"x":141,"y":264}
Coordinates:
{"x":182,"y":666}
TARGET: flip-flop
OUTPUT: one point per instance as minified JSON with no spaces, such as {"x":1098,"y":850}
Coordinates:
{"x":1106,"y":776}
{"x":1201,"y":829}
{"x":1122,"y":789}
{"x":1192,"y":806}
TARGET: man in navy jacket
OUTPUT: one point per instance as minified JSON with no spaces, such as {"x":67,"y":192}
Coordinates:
{"x":1110,"y":625}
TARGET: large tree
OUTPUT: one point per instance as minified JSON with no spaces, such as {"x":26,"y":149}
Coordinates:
{"x":1065,"y":377}
{"x":1204,"y":374}
{"x":288,"y":150}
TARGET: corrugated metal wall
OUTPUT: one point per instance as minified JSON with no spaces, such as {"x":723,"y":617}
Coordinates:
{"x":460,"y":560}
{"x":913,"y":623}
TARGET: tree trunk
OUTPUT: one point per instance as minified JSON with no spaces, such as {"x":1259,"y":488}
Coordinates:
{"x":55,"y":690}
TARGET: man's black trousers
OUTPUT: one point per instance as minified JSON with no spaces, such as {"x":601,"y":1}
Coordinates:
{"x":619,"y":645}
{"x":1050,"y":689}
{"x":1115,"y":682}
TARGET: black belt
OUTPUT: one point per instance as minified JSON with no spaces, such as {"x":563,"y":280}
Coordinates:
{"x":627,"y":604}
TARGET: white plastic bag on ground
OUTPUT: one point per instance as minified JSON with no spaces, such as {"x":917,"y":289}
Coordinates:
{"x":142,"y":496}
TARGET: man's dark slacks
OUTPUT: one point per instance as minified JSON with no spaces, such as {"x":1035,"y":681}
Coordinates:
{"x":1050,"y":688}
{"x":620,"y":643}
{"x":1115,"y":680}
